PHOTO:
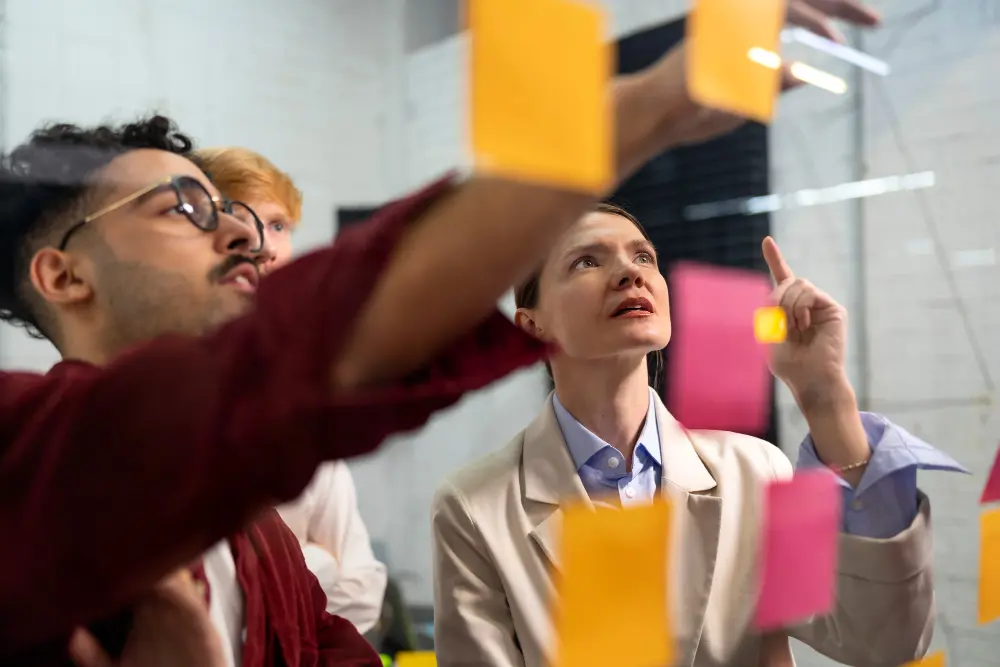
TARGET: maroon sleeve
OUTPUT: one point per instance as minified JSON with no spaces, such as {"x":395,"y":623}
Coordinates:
{"x":112,"y":477}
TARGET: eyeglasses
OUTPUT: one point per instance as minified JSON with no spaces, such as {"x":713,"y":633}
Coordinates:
{"x":193,"y":200}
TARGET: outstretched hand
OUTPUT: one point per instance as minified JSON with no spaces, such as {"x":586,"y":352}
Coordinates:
{"x":691,"y":123}
{"x":818,"y":15}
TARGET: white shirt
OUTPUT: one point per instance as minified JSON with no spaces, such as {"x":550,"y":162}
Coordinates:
{"x":336,"y":545}
{"x":226,"y":600}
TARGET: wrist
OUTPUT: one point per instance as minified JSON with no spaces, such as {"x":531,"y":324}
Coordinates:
{"x":825,"y":396}
{"x":648,"y":105}
{"x":838,"y":434}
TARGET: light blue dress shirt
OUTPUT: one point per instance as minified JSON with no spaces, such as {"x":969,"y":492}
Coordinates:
{"x":602,"y":468}
{"x":883,"y":505}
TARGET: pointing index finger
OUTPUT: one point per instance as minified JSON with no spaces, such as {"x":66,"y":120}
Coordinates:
{"x":780,"y":270}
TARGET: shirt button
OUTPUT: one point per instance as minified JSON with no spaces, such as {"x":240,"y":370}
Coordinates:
{"x":613,"y":462}
{"x":857,"y":505}
{"x":629,"y":493}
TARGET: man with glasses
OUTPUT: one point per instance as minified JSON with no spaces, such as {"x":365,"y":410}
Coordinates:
{"x":192,"y":396}
{"x":161,"y":253}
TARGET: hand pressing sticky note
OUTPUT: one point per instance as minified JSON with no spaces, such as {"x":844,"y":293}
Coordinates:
{"x":732,"y":59}
{"x":770,"y":325}
{"x":798,"y":557}
{"x":540,"y":76}
{"x":718,"y":371}
{"x":416,"y":659}
{"x":989,"y":566}
{"x":594,"y":618}
{"x":933,"y":660}
{"x":991,"y":492}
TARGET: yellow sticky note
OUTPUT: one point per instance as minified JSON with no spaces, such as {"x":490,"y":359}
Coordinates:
{"x":933,"y":660}
{"x":540,"y":92}
{"x":732,"y":58}
{"x":770,"y":325}
{"x":596,"y":608}
{"x":989,"y":566}
{"x":416,"y":659}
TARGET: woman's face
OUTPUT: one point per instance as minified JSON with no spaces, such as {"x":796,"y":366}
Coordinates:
{"x":277,"y":232}
{"x":601,"y":294}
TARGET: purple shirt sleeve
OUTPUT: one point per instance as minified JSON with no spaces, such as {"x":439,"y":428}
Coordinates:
{"x":885,"y":500}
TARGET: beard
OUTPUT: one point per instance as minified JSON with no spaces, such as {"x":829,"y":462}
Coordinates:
{"x":141,"y":303}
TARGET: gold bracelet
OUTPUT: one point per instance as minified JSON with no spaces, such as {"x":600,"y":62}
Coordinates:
{"x":851,"y":466}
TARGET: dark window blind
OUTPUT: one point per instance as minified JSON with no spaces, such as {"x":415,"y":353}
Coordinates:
{"x":662,"y":193}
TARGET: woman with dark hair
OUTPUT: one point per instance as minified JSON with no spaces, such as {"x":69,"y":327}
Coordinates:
{"x":605,"y":438}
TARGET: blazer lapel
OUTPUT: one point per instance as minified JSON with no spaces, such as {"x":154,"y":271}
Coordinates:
{"x":550,"y":480}
{"x":696,"y":520}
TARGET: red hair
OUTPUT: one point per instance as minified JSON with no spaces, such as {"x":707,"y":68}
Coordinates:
{"x":243,"y":175}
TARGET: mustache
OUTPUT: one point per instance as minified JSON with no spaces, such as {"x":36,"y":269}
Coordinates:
{"x":228,"y":265}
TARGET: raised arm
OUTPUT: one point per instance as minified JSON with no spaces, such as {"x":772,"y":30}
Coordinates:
{"x":110,"y":478}
{"x":449,"y":270}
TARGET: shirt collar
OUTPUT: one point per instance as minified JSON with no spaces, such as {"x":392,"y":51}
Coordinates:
{"x":583,"y":444}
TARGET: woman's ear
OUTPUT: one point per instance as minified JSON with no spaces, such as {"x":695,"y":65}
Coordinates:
{"x":525,"y":321}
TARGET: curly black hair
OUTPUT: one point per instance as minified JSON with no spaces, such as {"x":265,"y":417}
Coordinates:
{"x":46,"y":184}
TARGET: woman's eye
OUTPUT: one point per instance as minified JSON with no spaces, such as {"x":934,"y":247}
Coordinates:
{"x":584,"y":263}
{"x":278,"y":226}
{"x":645,"y":258}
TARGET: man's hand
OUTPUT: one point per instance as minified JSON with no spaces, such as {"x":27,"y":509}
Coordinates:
{"x":818,"y":15}
{"x":686,"y":122}
{"x":172,"y":628}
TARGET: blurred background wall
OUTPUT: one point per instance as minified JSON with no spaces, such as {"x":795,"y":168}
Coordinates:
{"x":362,"y":101}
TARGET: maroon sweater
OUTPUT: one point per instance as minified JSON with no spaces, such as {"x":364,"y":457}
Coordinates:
{"x":112,"y":477}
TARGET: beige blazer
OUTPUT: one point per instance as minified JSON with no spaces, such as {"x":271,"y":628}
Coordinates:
{"x":496,"y":525}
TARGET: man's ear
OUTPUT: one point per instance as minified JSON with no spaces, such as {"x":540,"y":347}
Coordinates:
{"x":524,"y":319}
{"x":60,"y":278}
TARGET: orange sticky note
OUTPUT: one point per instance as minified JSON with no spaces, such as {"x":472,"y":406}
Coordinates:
{"x":770,"y":325}
{"x":933,"y":660}
{"x":416,"y":659}
{"x":732,"y":58}
{"x":593,"y":617}
{"x":989,"y":566}
{"x":541,"y":108}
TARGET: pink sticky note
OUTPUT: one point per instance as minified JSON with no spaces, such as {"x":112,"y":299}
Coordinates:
{"x":798,"y":559}
{"x":718,"y":376}
{"x":991,"y":492}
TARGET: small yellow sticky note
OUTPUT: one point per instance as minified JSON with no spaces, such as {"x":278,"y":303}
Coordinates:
{"x":770,"y":324}
{"x":540,"y":92}
{"x":933,"y":660}
{"x":416,"y":659}
{"x":593,"y":614}
{"x":732,"y":58}
{"x":989,"y":566}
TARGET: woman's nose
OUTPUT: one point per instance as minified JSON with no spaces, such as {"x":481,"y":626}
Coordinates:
{"x":630,"y":275}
